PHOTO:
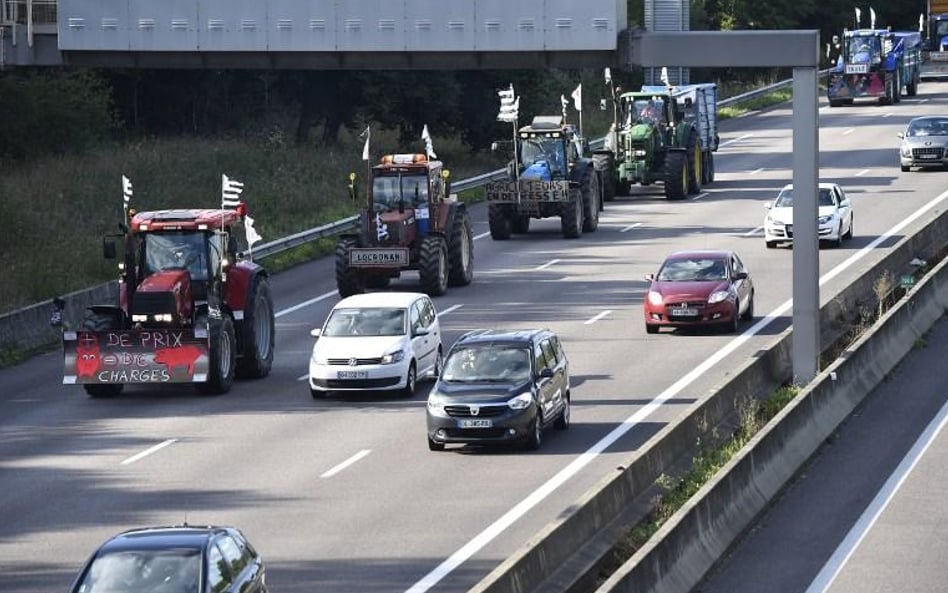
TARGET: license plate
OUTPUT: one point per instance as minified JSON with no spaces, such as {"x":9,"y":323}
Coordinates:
{"x":378,"y":257}
{"x":928,"y":156}
{"x":686,"y":312}
{"x":474,"y":423}
{"x":857,"y":68}
{"x":353,"y":375}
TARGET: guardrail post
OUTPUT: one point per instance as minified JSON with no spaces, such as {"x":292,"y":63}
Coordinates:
{"x":29,"y":23}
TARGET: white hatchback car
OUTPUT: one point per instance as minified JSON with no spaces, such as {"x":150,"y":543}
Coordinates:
{"x":835,"y":213}
{"x":376,"y":341}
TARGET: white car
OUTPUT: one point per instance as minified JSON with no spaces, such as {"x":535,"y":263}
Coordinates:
{"x":382,"y":341}
{"x":835,"y":221}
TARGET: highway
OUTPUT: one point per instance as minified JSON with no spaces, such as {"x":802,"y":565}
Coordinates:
{"x":342,"y":495}
{"x":867,"y":514}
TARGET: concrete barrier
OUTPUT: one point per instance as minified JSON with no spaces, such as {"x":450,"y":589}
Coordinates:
{"x":686,"y":547}
{"x":565,"y":554}
{"x":28,"y":329}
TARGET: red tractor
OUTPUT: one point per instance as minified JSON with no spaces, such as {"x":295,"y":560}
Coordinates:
{"x":410,"y":222}
{"x":190,"y":310}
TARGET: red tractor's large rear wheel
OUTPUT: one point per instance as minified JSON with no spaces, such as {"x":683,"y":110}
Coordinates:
{"x":258,"y":332}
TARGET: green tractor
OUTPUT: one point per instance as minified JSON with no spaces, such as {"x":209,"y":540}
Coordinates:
{"x":665,"y":134}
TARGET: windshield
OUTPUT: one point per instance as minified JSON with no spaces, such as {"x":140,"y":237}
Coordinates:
{"x":643,"y":110}
{"x":488,"y":363}
{"x":365,"y":322}
{"x":785,"y":198}
{"x":941,"y":28}
{"x":187,"y":250}
{"x":389,"y":190}
{"x":176,"y":570}
{"x":696,"y":269}
{"x":864,"y":50}
{"x":928,"y":127}
{"x":544,"y":148}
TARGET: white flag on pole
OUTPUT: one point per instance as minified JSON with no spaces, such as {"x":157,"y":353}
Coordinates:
{"x":367,"y":134}
{"x":230,"y":192}
{"x":564,"y":103}
{"x":429,"y":149}
{"x":252,"y":235}
{"x":858,"y":16}
{"x":509,"y":105}
{"x":126,"y":191}
{"x":872,"y":18}
{"x":577,"y":96}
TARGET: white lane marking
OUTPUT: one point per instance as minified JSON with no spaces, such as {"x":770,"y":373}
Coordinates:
{"x":630,"y":227}
{"x":481,"y":236}
{"x":703,"y":194}
{"x":755,"y":171}
{"x":849,"y":131}
{"x":596,"y":318}
{"x":861,"y":173}
{"x":887,"y":114}
{"x":440,"y":313}
{"x":744,"y":137}
{"x":149,"y":451}
{"x":299,"y":306}
{"x":753,"y":231}
{"x":824,"y":579}
{"x":547,"y":265}
{"x":534,"y":498}
{"x":330,"y":473}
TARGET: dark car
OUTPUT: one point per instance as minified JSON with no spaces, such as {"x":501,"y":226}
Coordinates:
{"x":500,"y":386}
{"x":699,"y":288}
{"x":183,"y":559}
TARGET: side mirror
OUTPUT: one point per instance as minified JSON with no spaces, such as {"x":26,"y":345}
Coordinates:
{"x":650,"y":277}
{"x":108,"y":248}
{"x":901,"y":134}
{"x":740,"y":276}
{"x":844,"y":204}
{"x":421,"y":331}
{"x":315,"y":332}
{"x":352,"y":187}
{"x":546,"y":373}
{"x":767,"y":206}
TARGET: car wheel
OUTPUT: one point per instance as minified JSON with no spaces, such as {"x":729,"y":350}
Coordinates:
{"x":749,"y":313}
{"x":734,"y":325}
{"x":771,"y":244}
{"x":906,"y":168}
{"x":536,"y":435}
{"x":562,"y":421}
{"x":439,"y":364}
{"x":849,"y":232}
{"x":651,"y":328}
{"x":838,"y":241}
{"x":434,"y":445}
{"x":410,"y":380}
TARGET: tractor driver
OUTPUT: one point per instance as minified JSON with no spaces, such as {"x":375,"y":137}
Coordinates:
{"x":415,"y":188}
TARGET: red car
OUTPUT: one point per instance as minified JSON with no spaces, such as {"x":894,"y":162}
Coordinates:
{"x":699,"y":288}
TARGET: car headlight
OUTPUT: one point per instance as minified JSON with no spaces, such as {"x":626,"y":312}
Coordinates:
{"x":521,"y":402}
{"x":436,"y":404}
{"x":825,"y":219}
{"x":320,"y":359}
{"x":718,"y":296}
{"x":393,"y":357}
{"x":906,"y":151}
{"x":655,"y":298}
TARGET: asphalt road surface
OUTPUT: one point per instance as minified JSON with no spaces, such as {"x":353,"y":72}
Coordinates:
{"x":342,"y":495}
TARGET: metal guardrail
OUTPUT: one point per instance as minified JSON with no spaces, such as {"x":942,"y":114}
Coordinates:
{"x":340,"y":226}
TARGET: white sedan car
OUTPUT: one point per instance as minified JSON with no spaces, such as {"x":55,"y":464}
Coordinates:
{"x":379,"y":341}
{"x":835,"y":221}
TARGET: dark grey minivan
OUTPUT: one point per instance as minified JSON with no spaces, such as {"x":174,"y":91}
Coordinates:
{"x":500,"y":387}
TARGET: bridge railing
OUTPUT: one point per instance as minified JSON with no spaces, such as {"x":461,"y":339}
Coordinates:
{"x":346,"y":224}
{"x":38,"y":16}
